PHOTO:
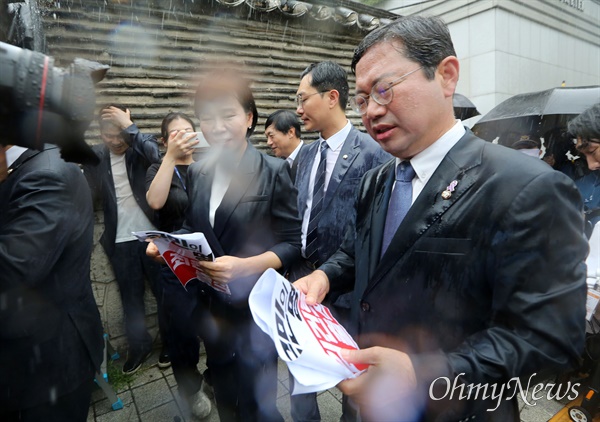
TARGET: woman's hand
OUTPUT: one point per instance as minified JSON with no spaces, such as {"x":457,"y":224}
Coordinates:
{"x":180,"y":145}
{"x":152,"y":252}
{"x":224,"y":269}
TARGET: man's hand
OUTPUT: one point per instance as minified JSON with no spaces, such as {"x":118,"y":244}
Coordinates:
{"x":152,"y":252}
{"x":315,"y":286}
{"x":117,"y":116}
{"x":224,"y":269}
{"x":388,"y":385}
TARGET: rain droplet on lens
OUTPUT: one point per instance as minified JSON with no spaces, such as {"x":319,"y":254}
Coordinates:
{"x":53,"y":395}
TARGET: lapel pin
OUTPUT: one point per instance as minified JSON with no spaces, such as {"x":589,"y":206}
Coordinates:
{"x":447,"y":194}
{"x":345,"y":156}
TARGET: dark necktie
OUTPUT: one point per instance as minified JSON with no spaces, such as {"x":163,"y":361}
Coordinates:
{"x":312,"y":246}
{"x":399,"y":202}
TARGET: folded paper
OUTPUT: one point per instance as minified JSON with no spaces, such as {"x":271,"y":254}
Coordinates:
{"x":308,"y":338}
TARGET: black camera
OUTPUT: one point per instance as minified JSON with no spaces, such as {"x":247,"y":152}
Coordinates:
{"x":41,"y":103}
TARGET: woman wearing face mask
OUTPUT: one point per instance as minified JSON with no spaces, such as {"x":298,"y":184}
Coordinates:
{"x":245,"y":204}
{"x":167,"y":194}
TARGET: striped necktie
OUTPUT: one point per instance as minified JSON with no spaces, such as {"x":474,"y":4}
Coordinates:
{"x":312,"y":246}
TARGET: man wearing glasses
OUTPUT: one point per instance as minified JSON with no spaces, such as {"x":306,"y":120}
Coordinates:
{"x":466,"y":258}
{"x":328,"y":175}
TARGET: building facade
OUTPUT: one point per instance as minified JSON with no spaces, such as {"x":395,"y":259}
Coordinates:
{"x":509,"y":47}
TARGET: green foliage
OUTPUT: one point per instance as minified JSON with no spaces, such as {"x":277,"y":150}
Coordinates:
{"x":374,"y":3}
{"x":116,"y":377}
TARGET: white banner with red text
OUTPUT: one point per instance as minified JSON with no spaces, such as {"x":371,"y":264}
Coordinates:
{"x":308,"y":338}
{"x":182,"y":252}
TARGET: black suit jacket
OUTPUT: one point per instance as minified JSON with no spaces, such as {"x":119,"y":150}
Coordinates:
{"x":258,"y":213}
{"x":294,"y":167}
{"x":489,"y":283}
{"x":143,"y":152}
{"x":50,"y":330}
{"x":359,"y":154}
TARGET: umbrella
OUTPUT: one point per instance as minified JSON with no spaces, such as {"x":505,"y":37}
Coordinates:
{"x":536,"y":113}
{"x":463,"y":107}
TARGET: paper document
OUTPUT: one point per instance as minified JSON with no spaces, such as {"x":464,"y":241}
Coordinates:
{"x":182,"y":252}
{"x":307,"y":338}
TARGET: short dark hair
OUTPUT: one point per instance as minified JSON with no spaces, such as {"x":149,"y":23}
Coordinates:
{"x":425,"y":40}
{"x":226,"y":81}
{"x":586,"y":126}
{"x":329,"y":75}
{"x":164,"y":127}
{"x":283,"y":120}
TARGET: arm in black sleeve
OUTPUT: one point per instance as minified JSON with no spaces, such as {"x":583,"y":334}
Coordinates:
{"x":144,"y":145}
{"x":286,"y":222}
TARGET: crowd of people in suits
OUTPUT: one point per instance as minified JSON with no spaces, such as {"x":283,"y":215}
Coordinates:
{"x":428,"y":244}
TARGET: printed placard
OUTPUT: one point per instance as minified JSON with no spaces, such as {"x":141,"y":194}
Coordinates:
{"x":307,"y":338}
{"x":593,"y":296}
{"x":182,"y":252}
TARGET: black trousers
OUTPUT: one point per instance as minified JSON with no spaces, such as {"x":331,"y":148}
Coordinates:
{"x":242,"y":362}
{"x":182,"y":315}
{"x":71,"y":407}
{"x":132,"y":267}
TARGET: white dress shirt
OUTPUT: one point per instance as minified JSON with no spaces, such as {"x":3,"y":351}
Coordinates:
{"x":13,"y":154}
{"x":290,"y":159}
{"x":427,"y":161}
{"x":220,"y":184}
{"x":335,"y":143}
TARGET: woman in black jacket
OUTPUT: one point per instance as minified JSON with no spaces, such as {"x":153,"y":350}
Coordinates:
{"x":245,"y":204}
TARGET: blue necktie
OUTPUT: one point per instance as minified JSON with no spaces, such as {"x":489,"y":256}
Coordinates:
{"x":312,"y":241}
{"x":399,"y":202}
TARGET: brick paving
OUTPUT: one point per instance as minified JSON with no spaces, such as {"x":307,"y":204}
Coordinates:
{"x":152,"y":397}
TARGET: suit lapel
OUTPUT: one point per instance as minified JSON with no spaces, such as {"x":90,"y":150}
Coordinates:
{"x":242,"y":177}
{"x":382,"y":192}
{"x":303,"y":176}
{"x":27,"y":154}
{"x":459,"y":164}
{"x":349,"y":152}
{"x":204,"y":182}
{"x":294,"y":168}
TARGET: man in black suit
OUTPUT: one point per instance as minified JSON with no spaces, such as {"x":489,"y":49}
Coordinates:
{"x":119,"y":182}
{"x":466,"y":258}
{"x":50,"y":331}
{"x":328,"y":174}
{"x":283,"y":133}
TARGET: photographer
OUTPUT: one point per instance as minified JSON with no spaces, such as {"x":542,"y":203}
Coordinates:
{"x":51,"y":339}
{"x":50,"y":331}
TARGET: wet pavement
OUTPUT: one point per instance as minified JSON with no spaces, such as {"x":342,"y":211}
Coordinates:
{"x":152,"y":397}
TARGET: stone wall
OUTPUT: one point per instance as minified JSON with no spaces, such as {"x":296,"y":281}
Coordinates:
{"x":155,"y":49}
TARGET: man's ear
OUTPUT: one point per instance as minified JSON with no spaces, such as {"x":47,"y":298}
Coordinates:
{"x":291,"y":133}
{"x":334,"y":98}
{"x":448,"y":71}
